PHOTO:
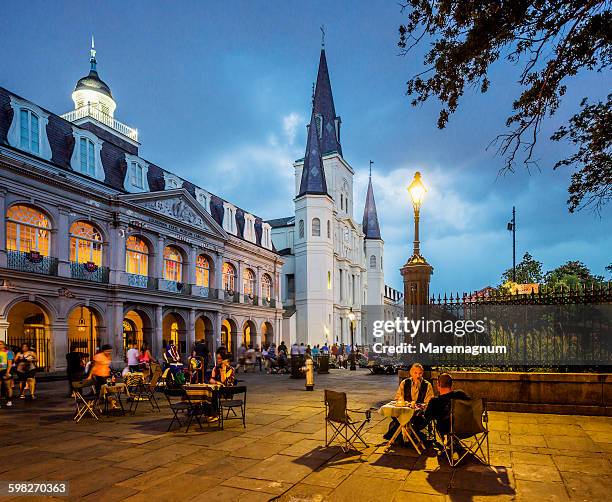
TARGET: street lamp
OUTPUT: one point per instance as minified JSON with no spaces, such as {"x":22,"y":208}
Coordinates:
{"x":351,"y":316}
{"x":417,"y":193}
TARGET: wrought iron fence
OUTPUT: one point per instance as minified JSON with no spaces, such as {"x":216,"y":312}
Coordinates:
{"x":31,"y":262}
{"x":562,"y":329}
{"x":39,"y":344}
{"x":87,"y":272}
{"x":141,"y":281}
{"x":84,"y":344}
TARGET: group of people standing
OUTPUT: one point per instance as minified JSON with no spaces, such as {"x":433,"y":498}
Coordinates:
{"x":20,"y":366}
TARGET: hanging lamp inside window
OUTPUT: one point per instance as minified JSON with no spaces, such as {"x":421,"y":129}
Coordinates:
{"x":82,"y":326}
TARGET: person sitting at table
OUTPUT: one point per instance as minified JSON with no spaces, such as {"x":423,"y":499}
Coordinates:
{"x":439,"y":408}
{"x":100,"y":369}
{"x":195,"y":367}
{"x":223,"y":373}
{"x":172,"y":358}
{"x":414,"y":389}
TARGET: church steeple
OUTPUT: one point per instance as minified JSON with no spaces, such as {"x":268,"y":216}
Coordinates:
{"x":328,"y":122}
{"x":313,"y":175}
{"x":370,"y":225}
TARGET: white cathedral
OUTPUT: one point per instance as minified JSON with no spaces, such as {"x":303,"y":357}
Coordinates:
{"x":333,"y":264}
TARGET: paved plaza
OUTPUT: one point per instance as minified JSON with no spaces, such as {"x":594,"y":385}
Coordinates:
{"x":280,"y":455}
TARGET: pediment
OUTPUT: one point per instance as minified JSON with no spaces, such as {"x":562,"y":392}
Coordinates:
{"x":179,"y":205}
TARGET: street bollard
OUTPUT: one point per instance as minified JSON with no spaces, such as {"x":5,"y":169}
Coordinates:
{"x":309,"y":370}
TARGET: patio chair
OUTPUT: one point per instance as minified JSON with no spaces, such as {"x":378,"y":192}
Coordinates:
{"x":182,"y":406}
{"x":347,"y":431}
{"x":146,"y":391}
{"x":468,"y":431}
{"x":229,"y":402}
{"x":85,"y":405}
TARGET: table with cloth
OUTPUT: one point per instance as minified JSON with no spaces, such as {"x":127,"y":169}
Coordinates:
{"x":113,"y":392}
{"x":403,"y":413}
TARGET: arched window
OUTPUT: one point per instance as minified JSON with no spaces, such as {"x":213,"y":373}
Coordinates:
{"x":301,"y":229}
{"x":248,"y":282}
{"x":27,"y":229}
{"x":328,"y":229}
{"x":173,"y":264}
{"x":136,"y":256}
{"x":373,"y":261}
{"x":266,"y":287}
{"x":229,"y":277}
{"x":316,"y":227}
{"x":202,"y":271}
{"x":85,"y":243}
{"x":29,"y":131}
{"x":87,"y":157}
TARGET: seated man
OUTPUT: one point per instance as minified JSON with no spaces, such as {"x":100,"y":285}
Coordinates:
{"x":414,"y":389}
{"x":439,"y":407}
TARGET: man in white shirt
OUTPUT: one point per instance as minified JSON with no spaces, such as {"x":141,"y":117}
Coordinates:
{"x":302,"y":349}
{"x":132,"y":358}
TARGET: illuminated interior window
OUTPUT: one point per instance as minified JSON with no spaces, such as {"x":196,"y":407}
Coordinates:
{"x":248,"y":282}
{"x":229,"y":277}
{"x":85,"y":243}
{"x":27,"y":229}
{"x":202,"y":271}
{"x":266,"y":287}
{"x":136,"y":256}
{"x":173,"y":264}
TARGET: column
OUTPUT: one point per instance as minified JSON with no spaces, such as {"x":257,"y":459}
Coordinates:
{"x":157,"y":332}
{"x":239,"y":288}
{"x":62,"y":243}
{"x":115,"y":337}
{"x":59,"y":345}
{"x":258,"y":285}
{"x":189,"y":275}
{"x":4,"y":326}
{"x":116,"y":248}
{"x":190,"y":335}
{"x":2,"y":233}
{"x":158,"y":262}
{"x":218,"y":284}
{"x":217,"y":332}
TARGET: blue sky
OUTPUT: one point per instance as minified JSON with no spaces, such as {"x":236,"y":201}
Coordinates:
{"x":220,"y":94}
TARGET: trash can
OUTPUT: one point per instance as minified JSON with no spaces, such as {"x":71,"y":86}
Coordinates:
{"x":297,"y":363}
{"x":323,"y":364}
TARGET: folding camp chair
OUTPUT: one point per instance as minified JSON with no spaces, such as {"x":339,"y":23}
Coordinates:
{"x":146,"y":391}
{"x":468,"y":431}
{"x":84,"y":405}
{"x":337,"y":417}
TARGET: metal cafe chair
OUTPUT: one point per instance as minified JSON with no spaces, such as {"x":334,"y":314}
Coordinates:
{"x":229,"y":402}
{"x":337,"y":418}
{"x":468,"y":432}
{"x":146,"y":391}
{"x":84,"y":405}
{"x":201,"y":399}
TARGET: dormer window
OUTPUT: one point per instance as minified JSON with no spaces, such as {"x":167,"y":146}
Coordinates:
{"x":136,"y":175}
{"x":135,"y":180}
{"x":28,"y":130}
{"x":88,"y":157}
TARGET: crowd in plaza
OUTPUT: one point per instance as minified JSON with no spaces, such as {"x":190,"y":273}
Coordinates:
{"x":17,"y":366}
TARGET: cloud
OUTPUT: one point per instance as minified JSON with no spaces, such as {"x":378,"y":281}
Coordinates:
{"x":290,"y":125}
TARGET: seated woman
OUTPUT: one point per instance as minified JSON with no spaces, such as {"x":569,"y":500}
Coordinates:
{"x":172,"y":358}
{"x":223,"y":373}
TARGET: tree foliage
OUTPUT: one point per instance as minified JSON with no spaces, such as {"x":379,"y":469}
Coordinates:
{"x":549,"y":41}
{"x":528,"y":271}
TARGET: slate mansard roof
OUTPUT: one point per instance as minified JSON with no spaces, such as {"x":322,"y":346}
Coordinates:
{"x":113,"y":156}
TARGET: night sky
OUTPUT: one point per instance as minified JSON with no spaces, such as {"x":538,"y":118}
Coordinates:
{"x":220,"y":93}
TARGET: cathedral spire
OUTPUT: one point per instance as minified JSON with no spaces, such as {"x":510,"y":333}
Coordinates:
{"x":324,"y":107}
{"x":370,"y":225}
{"x":313,"y":175}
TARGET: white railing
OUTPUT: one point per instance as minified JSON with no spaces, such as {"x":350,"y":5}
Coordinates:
{"x":107,"y":120}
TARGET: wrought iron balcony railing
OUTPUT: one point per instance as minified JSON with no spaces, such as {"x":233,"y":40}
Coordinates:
{"x":141,"y":281}
{"x":89,"y":272}
{"x":175,"y":287}
{"x":31,"y":262}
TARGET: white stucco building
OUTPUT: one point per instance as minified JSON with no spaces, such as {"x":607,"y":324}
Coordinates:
{"x":333,"y":263}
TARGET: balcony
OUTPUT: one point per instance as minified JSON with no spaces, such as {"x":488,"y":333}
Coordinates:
{"x":103,"y":118}
{"x":175,"y":287}
{"x":89,"y":272}
{"x":249,"y":299}
{"x":140,"y":281}
{"x":268,"y":302}
{"x":204,"y":292}
{"x":231,"y":296}
{"x":32,"y":262}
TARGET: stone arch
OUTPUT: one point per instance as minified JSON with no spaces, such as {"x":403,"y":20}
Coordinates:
{"x":249,"y":333}
{"x":86,"y":329}
{"x":138,"y":326}
{"x":51,"y":309}
{"x":229,"y":334}
{"x":267,"y":333}
{"x":31,"y":322}
{"x":174,"y":327}
{"x":48,"y":210}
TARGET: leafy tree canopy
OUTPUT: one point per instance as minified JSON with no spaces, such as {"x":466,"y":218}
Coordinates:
{"x":528,"y":271}
{"x":549,"y":42}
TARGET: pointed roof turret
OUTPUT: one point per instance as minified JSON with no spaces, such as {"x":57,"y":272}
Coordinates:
{"x":370,"y":225}
{"x":92,"y":81}
{"x":329,"y":126}
{"x":313,"y":175}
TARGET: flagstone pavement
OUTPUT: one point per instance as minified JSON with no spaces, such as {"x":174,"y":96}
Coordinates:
{"x":281,"y":455}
